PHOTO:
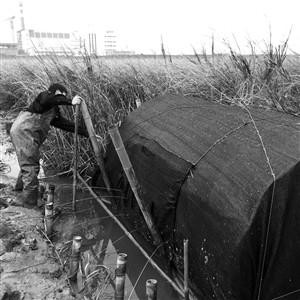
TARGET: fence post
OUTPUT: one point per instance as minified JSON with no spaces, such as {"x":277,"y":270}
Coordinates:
{"x":75,"y":258}
{"x":48,"y":219}
{"x":151,"y":289}
{"x":120,"y":276}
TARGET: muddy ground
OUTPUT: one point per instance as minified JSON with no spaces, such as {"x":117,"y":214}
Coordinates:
{"x":30,"y":265}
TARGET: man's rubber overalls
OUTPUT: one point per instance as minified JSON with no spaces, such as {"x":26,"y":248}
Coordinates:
{"x":28,"y":133}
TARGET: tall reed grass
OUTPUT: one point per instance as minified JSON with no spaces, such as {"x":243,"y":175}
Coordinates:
{"x":110,"y":85}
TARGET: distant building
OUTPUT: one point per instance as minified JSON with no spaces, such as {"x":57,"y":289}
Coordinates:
{"x":110,"y":43}
{"x":46,"y":43}
{"x":8,"y":49}
{"x":111,"y":46}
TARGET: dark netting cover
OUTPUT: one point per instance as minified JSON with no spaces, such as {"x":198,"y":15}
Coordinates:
{"x":228,"y":180}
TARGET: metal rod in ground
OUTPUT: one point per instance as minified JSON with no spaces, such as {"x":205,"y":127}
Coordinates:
{"x":75,"y":258}
{"x":48,"y":219}
{"x":130,"y":174}
{"x":120,"y":276}
{"x":92,"y":135}
{"x":75,"y":158}
{"x":151,"y":289}
{"x":186,"y":269}
{"x":130,"y":236}
{"x":50,"y":194}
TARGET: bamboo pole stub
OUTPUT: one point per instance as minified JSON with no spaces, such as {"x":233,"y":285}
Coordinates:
{"x":138,"y":102}
{"x":151,"y":289}
{"x":120,"y":276}
{"x":75,"y":258}
{"x":48,"y":219}
{"x":50,"y":194}
{"x":186,"y":269}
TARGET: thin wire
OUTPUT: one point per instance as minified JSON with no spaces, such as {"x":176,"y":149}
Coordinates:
{"x":133,"y":288}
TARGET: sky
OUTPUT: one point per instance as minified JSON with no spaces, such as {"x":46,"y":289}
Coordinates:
{"x":182,"y":25}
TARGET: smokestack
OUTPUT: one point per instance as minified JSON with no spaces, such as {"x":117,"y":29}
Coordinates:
{"x":92,"y":43}
{"x":22,"y":17}
{"x":95,"y":40}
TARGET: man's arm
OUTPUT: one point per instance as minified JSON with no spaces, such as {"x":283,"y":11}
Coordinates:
{"x":67,"y":125}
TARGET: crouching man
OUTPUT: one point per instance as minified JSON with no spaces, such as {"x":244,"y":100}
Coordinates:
{"x":28,"y":133}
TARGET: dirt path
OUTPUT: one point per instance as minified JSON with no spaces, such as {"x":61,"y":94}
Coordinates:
{"x":29,"y":265}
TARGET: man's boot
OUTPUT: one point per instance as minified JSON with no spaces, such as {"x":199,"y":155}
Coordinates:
{"x":30,"y":197}
{"x":19,"y":183}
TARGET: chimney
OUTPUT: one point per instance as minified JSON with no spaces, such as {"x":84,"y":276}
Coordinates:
{"x":22,"y":17}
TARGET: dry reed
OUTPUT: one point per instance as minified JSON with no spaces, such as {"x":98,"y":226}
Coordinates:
{"x":110,"y":85}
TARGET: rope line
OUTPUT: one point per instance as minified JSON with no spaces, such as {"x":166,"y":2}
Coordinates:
{"x":219,"y":140}
{"x":288,"y":294}
{"x":271,"y":204}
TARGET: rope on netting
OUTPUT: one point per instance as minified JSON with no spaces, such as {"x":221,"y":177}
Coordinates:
{"x":271,"y":204}
{"x":219,"y":140}
{"x":285,"y":295}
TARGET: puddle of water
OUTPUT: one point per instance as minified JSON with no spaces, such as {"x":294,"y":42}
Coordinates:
{"x":103,"y":240}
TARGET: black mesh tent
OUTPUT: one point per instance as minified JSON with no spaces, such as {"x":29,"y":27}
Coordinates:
{"x":227,"y":179}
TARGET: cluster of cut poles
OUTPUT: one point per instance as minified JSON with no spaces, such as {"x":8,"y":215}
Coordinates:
{"x":120,"y":273}
{"x":151,"y":284}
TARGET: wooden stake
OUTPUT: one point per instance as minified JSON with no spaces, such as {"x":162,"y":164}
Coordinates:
{"x":75,"y":158}
{"x":186,"y":269}
{"x":130,"y":174}
{"x":120,"y":276}
{"x":151,"y":289}
{"x":91,"y":131}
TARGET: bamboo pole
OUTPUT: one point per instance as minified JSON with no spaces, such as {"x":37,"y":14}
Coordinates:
{"x":120,"y":276}
{"x":91,"y":131}
{"x":127,"y":167}
{"x":129,"y":235}
{"x":75,"y":158}
{"x":186,"y":269}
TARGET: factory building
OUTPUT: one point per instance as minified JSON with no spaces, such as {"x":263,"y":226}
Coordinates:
{"x":39,"y":42}
{"x":33,"y":42}
{"x":8,"y":49}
